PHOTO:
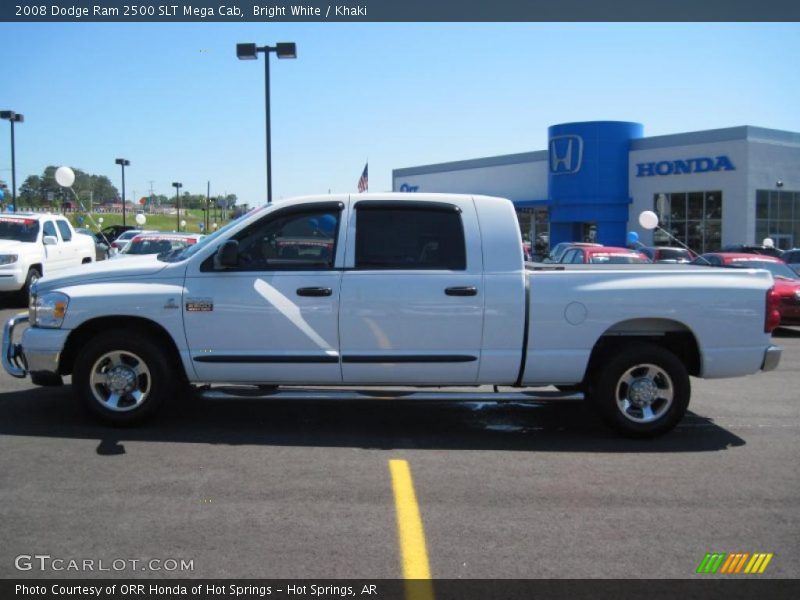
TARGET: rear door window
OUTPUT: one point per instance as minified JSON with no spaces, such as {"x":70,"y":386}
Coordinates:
{"x":404,"y":236}
{"x":63,"y":227}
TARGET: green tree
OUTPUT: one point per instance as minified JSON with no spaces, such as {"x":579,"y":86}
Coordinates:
{"x":43,"y":190}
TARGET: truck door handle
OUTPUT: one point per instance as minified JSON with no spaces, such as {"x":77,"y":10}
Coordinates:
{"x":462,"y":291}
{"x":314,"y":291}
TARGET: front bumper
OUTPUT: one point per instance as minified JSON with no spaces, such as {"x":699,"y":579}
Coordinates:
{"x":13,"y":358}
{"x":38,"y":355}
{"x":772,"y":356}
{"x":11,"y":279}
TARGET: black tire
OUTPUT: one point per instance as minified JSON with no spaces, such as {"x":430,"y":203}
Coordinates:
{"x":33,"y":276}
{"x":642,"y":390}
{"x":124,"y":368}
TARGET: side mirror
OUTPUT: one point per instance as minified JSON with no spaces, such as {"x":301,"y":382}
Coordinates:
{"x":50,"y":240}
{"x":227,"y":256}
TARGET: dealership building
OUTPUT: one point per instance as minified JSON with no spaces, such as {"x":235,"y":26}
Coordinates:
{"x":709,"y":188}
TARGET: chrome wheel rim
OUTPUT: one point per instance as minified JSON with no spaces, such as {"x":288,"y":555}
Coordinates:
{"x":644,"y":393}
{"x":120,"y":381}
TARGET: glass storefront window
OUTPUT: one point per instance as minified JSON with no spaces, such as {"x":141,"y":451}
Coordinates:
{"x":534,"y":223}
{"x":778,"y":217}
{"x":774,"y":207}
{"x":677,"y":203}
{"x":762,"y":204}
{"x":713,"y":209}
{"x":695,"y":206}
{"x":695,"y":218}
{"x":785,"y":202}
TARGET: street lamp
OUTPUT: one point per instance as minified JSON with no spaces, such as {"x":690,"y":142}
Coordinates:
{"x":250,"y":52}
{"x":122,"y":162}
{"x":13,"y":117}
{"x":177,"y":185}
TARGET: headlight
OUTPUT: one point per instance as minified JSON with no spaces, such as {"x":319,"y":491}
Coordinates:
{"x":48,"y":310}
{"x":7,"y":259}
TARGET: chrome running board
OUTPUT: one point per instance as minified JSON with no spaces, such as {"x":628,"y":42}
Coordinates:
{"x":291,"y":393}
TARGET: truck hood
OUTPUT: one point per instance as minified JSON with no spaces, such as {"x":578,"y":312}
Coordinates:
{"x":12,"y":246}
{"x":107,"y":270}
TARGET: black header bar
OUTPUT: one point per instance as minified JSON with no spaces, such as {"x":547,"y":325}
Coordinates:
{"x":709,"y":588}
{"x":363,"y":11}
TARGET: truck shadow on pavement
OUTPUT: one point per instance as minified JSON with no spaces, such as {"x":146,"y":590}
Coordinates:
{"x":379,"y":424}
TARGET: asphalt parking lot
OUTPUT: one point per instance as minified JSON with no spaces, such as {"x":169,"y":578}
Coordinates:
{"x":251,"y":488}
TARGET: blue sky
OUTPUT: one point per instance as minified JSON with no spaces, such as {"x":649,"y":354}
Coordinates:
{"x":175,"y":101}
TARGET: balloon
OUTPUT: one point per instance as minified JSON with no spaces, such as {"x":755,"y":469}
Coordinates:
{"x":1,"y":194}
{"x":768,"y":242}
{"x":141,"y":219}
{"x":633,"y":237}
{"x":183,"y":223}
{"x":648,"y":219}
{"x":327,"y":224}
{"x":65,"y":176}
{"x":100,"y":220}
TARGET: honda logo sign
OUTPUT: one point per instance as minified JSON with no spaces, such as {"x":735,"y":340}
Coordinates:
{"x":566,"y":154}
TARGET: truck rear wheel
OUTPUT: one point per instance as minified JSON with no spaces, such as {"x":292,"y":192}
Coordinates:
{"x":642,"y":391}
{"x":121,"y":377}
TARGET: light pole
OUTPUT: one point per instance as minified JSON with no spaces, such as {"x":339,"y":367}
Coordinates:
{"x":206,"y":219}
{"x":122,"y":162}
{"x":177,"y":185}
{"x":13,"y":117}
{"x":250,"y":52}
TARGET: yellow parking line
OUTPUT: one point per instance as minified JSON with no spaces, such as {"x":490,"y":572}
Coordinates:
{"x":410,"y":532}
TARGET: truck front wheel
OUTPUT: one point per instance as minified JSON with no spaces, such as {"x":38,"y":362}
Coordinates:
{"x":121,"y":377}
{"x":642,"y":391}
{"x":33,"y":276}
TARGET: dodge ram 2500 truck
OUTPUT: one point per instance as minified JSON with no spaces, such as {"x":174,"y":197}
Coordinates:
{"x":391,"y":289}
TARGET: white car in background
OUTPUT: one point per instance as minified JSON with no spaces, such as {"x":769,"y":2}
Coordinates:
{"x":33,"y":245}
{"x":157,"y":243}
{"x":125,"y":237}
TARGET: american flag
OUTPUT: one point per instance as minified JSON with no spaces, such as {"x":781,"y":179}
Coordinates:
{"x":363,"y":181}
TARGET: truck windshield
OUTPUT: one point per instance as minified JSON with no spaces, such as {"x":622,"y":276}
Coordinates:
{"x":184,"y":253}
{"x":617,"y":259}
{"x":777,"y":269}
{"x":674,"y":254}
{"x":19,"y":230}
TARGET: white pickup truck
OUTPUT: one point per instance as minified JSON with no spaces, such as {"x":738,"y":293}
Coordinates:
{"x":391,"y":289}
{"x":36,"y":244}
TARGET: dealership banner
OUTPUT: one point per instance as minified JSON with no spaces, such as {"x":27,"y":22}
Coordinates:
{"x":398,"y":589}
{"x":268,"y":11}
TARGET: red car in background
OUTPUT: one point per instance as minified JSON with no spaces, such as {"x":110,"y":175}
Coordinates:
{"x":603,"y":255}
{"x":787,"y":282}
{"x":668,"y":254}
